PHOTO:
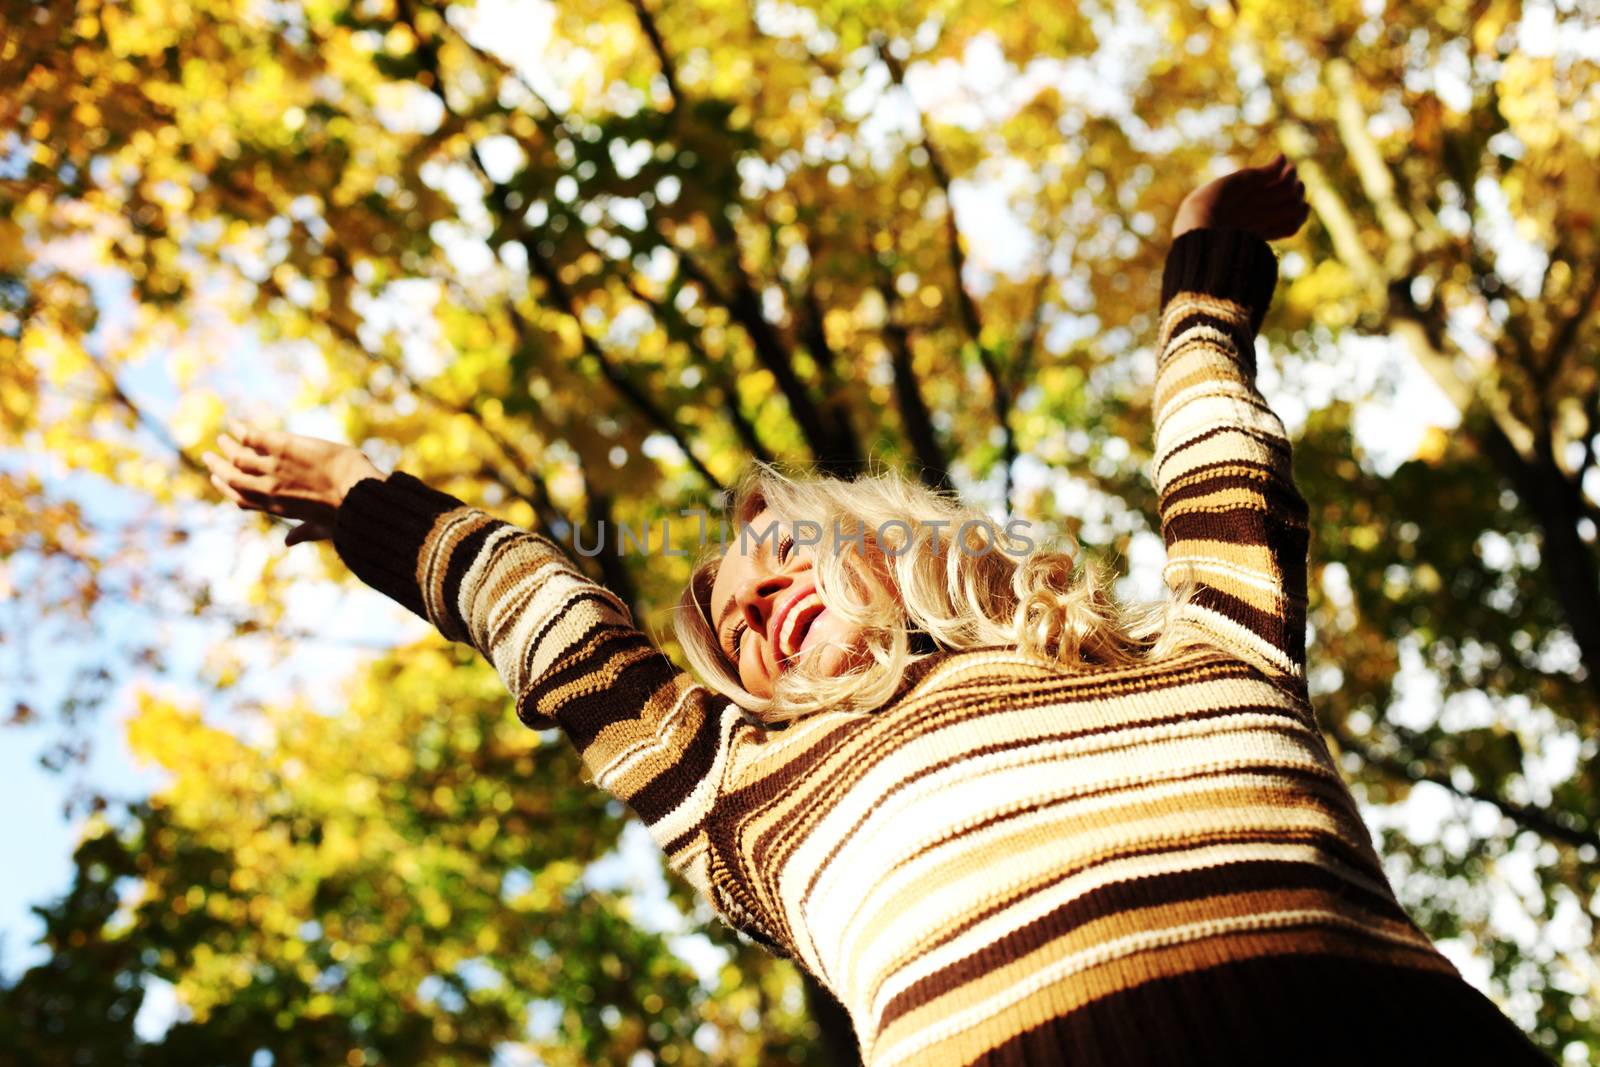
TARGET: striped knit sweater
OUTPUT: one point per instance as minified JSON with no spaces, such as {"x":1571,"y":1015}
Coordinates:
{"x":1013,"y":863}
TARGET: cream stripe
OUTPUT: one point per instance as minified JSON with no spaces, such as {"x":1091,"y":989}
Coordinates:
{"x":1249,"y":644}
{"x":1016,"y":726}
{"x":773,"y":751}
{"x":1111,"y":715}
{"x":1260,"y":586}
{"x":441,"y":544}
{"x":1187,"y":419}
{"x":623,"y":757}
{"x":1201,"y":334}
{"x":553,"y":596}
{"x":1187,"y":302}
{"x":691,"y":863}
{"x":981,"y":787}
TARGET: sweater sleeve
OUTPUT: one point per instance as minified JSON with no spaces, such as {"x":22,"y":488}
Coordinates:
{"x":1231,"y":515}
{"x":565,"y":647}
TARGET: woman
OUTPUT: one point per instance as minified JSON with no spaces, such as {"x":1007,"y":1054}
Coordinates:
{"x":1002,"y":820}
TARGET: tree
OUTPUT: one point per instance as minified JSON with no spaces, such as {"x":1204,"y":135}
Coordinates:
{"x":671,"y":239}
{"x":400,"y":884}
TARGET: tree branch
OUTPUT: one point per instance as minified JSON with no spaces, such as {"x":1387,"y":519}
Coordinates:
{"x":832,"y":441}
{"x":1021,"y":361}
{"x":713,"y":370}
{"x":932,"y":461}
{"x":536,"y":495}
{"x":1531,"y":468}
{"x":428,"y":59}
{"x":1423,"y":330}
{"x":829,"y":434}
{"x":831,"y":438}
{"x":613,"y":374}
{"x":613,"y":569}
{"x":153,"y":425}
{"x":1551,"y":824}
{"x":1376,"y":181}
{"x":967,"y":308}
{"x":1567,"y":335}
{"x":647,"y":23}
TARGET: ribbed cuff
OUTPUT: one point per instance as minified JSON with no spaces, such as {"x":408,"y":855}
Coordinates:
{"x":1230,"y":264}
{"x":379,"y":531}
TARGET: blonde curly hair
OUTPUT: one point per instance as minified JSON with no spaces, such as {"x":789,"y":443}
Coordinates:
{"x":997,"y":591}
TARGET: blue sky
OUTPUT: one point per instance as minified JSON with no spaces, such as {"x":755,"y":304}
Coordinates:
{"x":225,"y":546}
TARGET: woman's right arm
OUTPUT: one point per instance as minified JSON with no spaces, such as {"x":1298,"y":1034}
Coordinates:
{"x":565,"y":647}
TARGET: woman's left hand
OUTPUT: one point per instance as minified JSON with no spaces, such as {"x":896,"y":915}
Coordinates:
{"x":285,"y":474}
{"x":1269,"y":201}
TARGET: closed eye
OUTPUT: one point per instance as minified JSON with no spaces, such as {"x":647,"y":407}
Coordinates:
{"x":785,"y":546}
{"x":739,"y":629}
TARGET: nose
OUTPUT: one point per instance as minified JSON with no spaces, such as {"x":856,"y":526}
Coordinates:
{"x":757,"y":597}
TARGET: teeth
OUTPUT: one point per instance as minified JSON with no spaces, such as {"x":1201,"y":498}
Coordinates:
{"x":791,"y":624}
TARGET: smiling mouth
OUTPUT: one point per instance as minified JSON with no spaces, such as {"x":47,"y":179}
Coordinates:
{"x":797,"y":622}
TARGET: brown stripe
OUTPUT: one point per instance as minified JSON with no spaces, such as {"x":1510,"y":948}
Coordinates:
{"x":1234,"y":327}
{"x":1273,"y":628}
{"x":1175,"y":395}
{"x":1261,"y":480}
{"x":1251,"y":1011}
{"x":570,"y":660}
{"x":461,"y":557}
{"x":433,"y":565}
{"x":1123,"y":851}
{"x":661,"y":794}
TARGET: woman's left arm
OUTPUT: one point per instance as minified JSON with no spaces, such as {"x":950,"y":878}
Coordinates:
{"x":1232,"y":517}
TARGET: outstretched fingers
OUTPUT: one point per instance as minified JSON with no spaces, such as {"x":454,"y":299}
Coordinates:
{"x":266,"y":442}
{"x":1268,"y":200}
{"x":230,"y":493}
{"x":249,"y":491}
{"x":1271,"y":171}
{"x":243,"y":457}
{"x":1271,"y":183}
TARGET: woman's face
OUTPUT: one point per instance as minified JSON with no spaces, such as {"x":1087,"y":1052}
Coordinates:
{"x":765,"y":610}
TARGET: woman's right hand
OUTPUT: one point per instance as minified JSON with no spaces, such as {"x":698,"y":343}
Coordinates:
{"x":289,"y":475}
{"x":1268,"y":201}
